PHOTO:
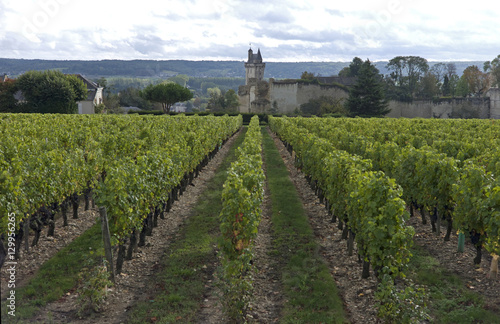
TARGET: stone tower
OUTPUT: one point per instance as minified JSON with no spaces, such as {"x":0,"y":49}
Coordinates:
{"x":254,"y":95}
{"x":254,"y":67}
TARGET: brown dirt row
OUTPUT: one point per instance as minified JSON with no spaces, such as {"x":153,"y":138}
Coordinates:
{"x":357,"y":293}
{"x":48,"y":246}
{"x":461,"y":264}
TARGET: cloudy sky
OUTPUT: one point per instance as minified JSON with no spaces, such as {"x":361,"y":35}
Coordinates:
{"x":284,"y":30}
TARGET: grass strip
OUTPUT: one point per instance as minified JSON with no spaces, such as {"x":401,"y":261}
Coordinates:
{"x":450,"y":301}
{"x":178,"y":288}
{"x":56,"y":276}
{"x":311,"y":293}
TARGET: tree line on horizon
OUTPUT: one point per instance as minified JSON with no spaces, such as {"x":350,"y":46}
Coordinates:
{"x":166,"y":68}
{"x":408,"y":78}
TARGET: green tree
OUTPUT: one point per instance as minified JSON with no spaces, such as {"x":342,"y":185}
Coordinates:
{"x":112,"y":104}
{"x":167,"y":94}
{"x":345,"y":72}
{"x":222,"y":101}
{"x":180,"y":79}
{"x":453,"y":84}
{"x":446,"y":87}
{"x":353,"y":69}
{"x":207,"y":85}
{"x":313,"y":106}
{"x":406,"y":73}
{"x":309,"y":76}
{"x":439,"y":71}
{"x":323,"y":105}
{"x":367,"y":97}
{"x":132,"y":97}
{"x":429,"y":86}
{"x":493,"y":67}
{"x":8,"y":102}
{"x":216,"y":102}
{"x":51,"y":91}
{"x":477,"y":81}
{"x":232,"y":100}
{"x":462,"y":89}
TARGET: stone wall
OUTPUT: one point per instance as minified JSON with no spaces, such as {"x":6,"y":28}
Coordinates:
{"x":494,"y":94}
{"x":285,"y":96}
{"x":244,"y":98}
{"x":289,"y":95}
{"x":452,"y":108}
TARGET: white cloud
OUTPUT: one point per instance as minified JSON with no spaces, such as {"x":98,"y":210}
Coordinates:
{"x":291,"y":30}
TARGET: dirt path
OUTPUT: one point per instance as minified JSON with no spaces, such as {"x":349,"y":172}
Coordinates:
{"x":460,"y":264}
{"x":357,"y":293}
{"x":47,"y":246}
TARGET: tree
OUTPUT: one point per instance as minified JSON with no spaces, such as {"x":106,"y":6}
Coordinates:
{"x":222,"y":101}
{"x":132,"y":97}
{"x":462,"y":89}
{"x":429,"y":86}
{"x":453,"y":84}
{"x":439,"y":71}
{"x":51,"y":91}
{"x":207,"y":85}
{"x":112,"y":104}
{"x":477,"y":81}
{"x":367,"y":97}
{"x":309,"y":76}
{"x":8,"y":102}
{"x":180,"y":79}
{"x":446,"y":87}
{"x":232,"y":100}
{"x":451,"y":69}
{"x":451,"y":74}
{"x":407,"y":72}
{"x":216,"y":102}
{"x":493,"y":67}
{"x":323,"y":105}
{"x":167,"y":94}
{"x":353,"y":69}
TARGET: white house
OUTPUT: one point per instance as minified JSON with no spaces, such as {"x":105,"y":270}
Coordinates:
{"x":94,"y":96}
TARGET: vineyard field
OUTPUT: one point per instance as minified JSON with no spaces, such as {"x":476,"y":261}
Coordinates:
{"x":201,"y":219}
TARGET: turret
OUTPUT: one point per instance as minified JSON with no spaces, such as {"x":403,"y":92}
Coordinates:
{"x":254,"y":67}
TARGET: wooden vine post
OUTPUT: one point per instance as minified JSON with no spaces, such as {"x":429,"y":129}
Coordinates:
{"x":106,"y":237}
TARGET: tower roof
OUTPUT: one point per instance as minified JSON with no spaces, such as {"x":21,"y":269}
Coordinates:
{"x":254,"y":58}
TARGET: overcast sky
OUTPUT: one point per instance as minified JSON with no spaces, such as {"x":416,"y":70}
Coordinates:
{"x":284,"y":30}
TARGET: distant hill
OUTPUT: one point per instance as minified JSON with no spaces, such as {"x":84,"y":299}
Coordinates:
{"x":165,"y":69}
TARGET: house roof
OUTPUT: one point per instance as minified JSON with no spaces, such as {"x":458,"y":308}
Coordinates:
{"x":90,"y":84}
{"x":92,"y":87}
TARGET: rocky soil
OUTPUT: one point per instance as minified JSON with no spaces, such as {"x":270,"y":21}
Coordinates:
{"x":48,"y":246}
